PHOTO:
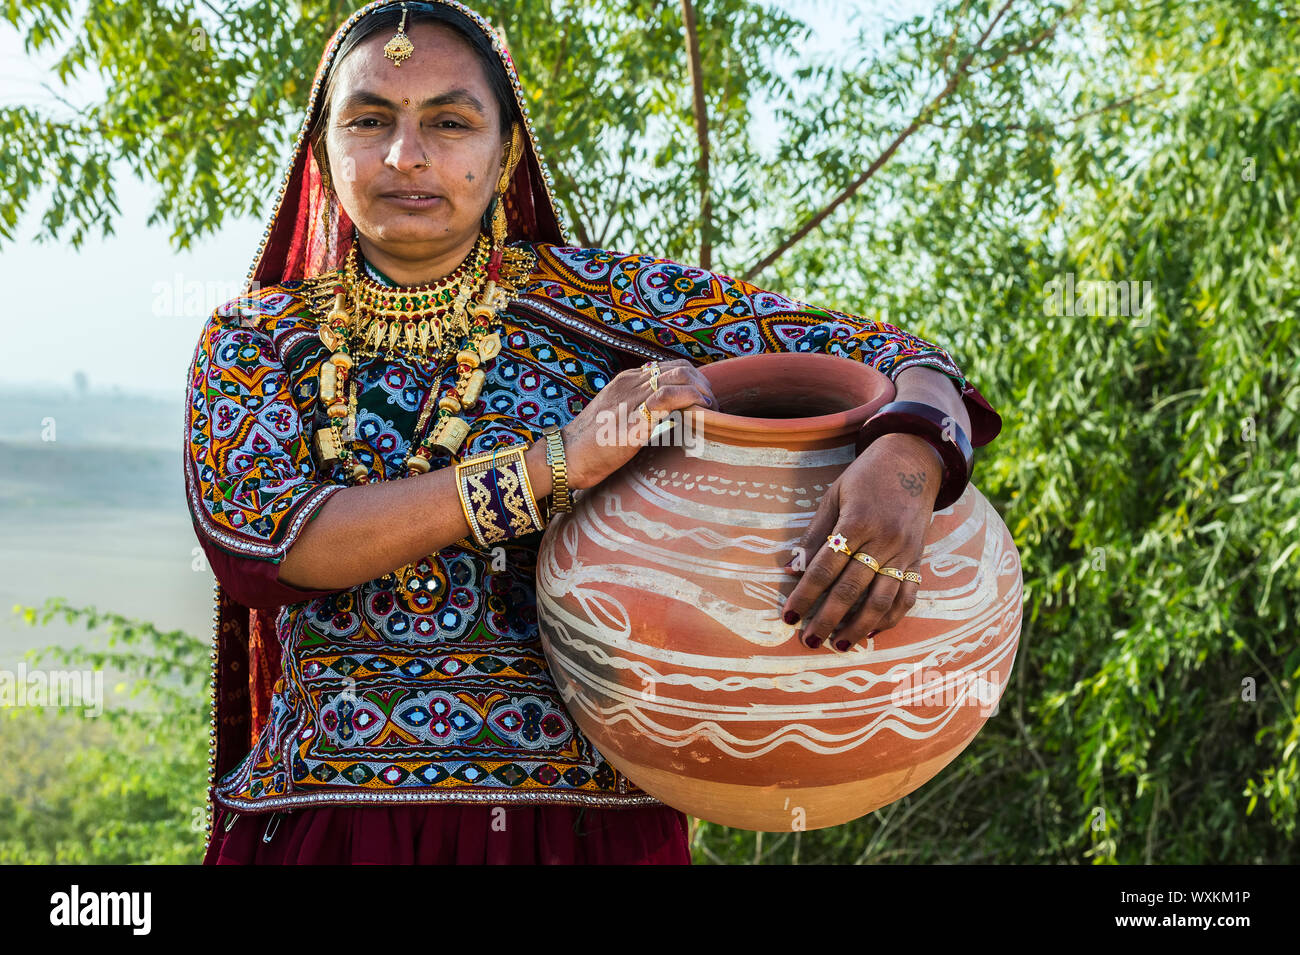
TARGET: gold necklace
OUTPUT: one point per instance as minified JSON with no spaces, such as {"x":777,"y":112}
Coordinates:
{"x":424,"y":321}
{"x":481,"y":343}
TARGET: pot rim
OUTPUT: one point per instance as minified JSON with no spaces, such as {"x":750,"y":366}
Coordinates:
{"x":874,"y":387}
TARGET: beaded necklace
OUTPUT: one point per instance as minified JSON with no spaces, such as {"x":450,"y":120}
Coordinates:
{"x":426,"y":321}
{"x":429,"y":321}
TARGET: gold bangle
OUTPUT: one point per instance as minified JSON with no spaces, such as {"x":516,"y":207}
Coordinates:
{"x":517,"y":492}
{"x":560,"y":500}
{"x":475,"y":500}
{"x":517,"y":507}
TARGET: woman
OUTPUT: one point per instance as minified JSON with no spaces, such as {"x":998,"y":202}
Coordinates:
{"x":378,"y":431}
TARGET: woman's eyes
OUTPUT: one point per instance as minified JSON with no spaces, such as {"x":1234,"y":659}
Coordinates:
{"x":370,"y":119}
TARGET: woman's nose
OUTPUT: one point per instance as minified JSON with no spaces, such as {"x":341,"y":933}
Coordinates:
{"x":407,"y":152}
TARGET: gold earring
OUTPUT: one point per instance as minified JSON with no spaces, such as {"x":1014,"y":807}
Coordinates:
{"x":326,"y":194}
{"x":328,"y":191}
{"x":513,"y":153}
{"x":499,"y":220}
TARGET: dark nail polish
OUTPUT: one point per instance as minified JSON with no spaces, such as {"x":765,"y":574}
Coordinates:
{"x":812,"y":640}
{"x":841,"y":645}
{"x":791,"y":617}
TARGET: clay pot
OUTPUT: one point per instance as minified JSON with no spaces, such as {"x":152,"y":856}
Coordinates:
{"x":659,"y":602}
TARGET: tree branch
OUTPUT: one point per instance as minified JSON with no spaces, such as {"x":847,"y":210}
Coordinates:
{"x":954,"y":80}
{"x":1057,"y":123}
{"x":1034,"y":43}
{"x":701,"y":132}
{"x":559,"y":57}
{"x":1126,"y":101}
{"x":577,"y":212}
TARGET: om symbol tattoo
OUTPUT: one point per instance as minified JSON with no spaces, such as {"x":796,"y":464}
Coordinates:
{"x":914,"y":483}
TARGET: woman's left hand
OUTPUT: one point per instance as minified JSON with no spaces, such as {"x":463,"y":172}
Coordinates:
{"x":883,"y":504}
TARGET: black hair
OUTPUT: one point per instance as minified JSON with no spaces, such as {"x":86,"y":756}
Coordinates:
{"x":388,"y":18}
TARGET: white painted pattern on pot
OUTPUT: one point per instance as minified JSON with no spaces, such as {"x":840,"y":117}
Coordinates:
{"x":583,"y":648}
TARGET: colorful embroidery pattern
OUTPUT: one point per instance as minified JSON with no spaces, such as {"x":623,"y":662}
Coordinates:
{"x":391,"y":696}
{"x":706,"y":316}
{"x":249,"y":474}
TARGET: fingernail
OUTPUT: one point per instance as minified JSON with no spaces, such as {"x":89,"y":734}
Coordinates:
{"x":812,"y":640}
{"x":791,"y":617}
{"x":841,"y":645}
{"x":872,"y":634}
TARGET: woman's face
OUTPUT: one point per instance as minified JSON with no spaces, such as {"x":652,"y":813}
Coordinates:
{"x":385,"y":119}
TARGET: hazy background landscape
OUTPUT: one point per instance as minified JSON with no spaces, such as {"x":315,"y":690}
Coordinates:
{"x":97,"y":515}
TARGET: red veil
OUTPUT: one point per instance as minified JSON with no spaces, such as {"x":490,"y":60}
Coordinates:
{"x":297,"y":244}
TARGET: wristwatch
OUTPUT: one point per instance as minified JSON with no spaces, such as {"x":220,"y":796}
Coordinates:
{"x":560,"y":500}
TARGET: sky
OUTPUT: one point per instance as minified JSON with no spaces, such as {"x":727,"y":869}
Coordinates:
{"x":136,"y":280}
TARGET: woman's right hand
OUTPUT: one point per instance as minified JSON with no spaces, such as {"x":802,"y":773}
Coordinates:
{"x":611,"y":430}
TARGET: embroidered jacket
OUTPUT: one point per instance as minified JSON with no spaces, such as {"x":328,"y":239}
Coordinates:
{"x":388,"y":696}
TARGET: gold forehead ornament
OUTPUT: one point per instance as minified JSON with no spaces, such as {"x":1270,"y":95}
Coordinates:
{"x":400,"y":46}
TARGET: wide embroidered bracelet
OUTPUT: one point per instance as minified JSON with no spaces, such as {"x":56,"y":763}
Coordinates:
{"x":496,"y":496}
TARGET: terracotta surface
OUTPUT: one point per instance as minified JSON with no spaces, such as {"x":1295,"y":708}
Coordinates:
{"x":659,"y":600}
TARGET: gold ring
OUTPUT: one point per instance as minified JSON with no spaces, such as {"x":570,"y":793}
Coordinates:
{"x":653,"y":366}
{"x":840,"y":543}
{"x":646,"y":411}
{"x":913,"y":576}
{"x":867,"y":559}
{"x":892,"y":572}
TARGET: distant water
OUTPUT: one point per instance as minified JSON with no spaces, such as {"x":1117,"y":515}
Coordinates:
{"x":92,"y":508}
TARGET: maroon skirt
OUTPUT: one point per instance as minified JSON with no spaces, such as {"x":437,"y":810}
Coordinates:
{"x":452,"y":834}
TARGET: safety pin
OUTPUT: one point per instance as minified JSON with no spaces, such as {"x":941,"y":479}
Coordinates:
{"x":231,"y":821}
{"x":271,"y":826}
